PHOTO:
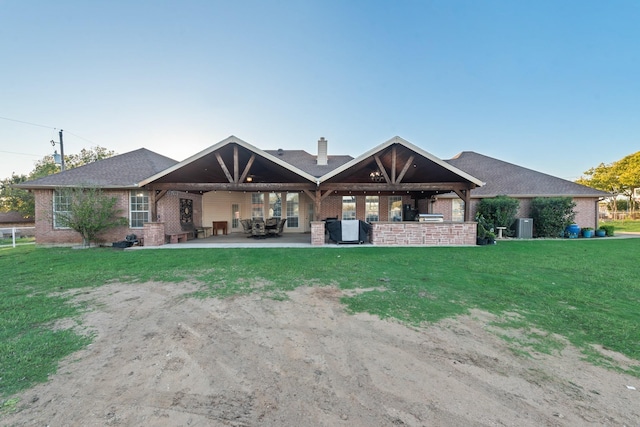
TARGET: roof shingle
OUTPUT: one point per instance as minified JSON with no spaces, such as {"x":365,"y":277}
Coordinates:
{"x":121,"y":171}
{"x":503,"y":178}
{"x":308,"y":162}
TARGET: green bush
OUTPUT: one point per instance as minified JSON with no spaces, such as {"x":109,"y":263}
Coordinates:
{"x":499,"y":211}
{"x":608,"y":229}
{"x":551,"y":215}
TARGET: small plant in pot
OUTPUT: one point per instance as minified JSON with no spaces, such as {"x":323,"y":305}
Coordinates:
{"x":608,"y":229}
{"x":485,"y":235}
{"x":601,"y":232}
{"x":587,"y":232}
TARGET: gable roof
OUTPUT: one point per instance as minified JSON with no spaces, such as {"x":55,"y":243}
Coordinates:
{"x":445,"y":169}
{"x":503,"y":178}
{"x":308,"y":162}
{"x":199,"y":162}
{"x":121,"y":171}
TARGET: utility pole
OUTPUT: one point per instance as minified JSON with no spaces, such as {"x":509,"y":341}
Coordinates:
{"x":61,"y":150}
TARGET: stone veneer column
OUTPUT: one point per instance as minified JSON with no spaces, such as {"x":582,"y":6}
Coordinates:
{"x":317,"y":233}
{"x":153,"y":233}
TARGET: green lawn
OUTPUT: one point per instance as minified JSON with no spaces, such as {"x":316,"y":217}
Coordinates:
{"x":586,"y":290}
{"x":19,"y":241}
{"x":624,"y":225}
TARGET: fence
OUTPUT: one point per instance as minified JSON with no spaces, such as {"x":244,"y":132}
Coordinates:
{"x":16,"y":234}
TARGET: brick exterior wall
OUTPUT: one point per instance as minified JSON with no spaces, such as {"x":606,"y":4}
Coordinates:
{"x":154,"y":234}
{"x":424,"y":233}
{"x":168,"y":211}
{"x":586,"y":210}
{"x":46,"y":234}
{"x":317,"y":233}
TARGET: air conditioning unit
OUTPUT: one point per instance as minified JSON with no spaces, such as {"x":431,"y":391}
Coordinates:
{"x":524,"y":228}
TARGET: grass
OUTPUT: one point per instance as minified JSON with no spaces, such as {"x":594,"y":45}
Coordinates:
{"x":586,"y":291}
{"x":624,"y":225}
{"x":19,"y":241}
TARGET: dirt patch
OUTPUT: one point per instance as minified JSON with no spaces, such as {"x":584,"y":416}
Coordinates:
{"x":163,"y":360}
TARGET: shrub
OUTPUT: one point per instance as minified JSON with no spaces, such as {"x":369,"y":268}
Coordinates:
{"x":499,"y":211}
{"x":90,"y":212}
{"x":608,"y":229}
{"x":551,"y":215}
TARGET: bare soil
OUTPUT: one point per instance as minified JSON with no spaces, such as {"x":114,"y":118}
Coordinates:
{"x":160,"y":359}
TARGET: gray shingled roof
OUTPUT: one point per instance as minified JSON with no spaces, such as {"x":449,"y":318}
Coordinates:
{"x":503,"y":178}
{"x":13,"y":217}
{"x":122,"y":171}
{"x":308,"y":162}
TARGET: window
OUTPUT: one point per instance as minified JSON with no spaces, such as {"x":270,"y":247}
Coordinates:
{"x":395,"y":208}
{"x":257,"y":205}
{"x":372,"y":208}
{"x":235,"y":215}
{"x":293,"y":210}
{"x":348,"y":207}
{"x":61,"y":207}
{"x":275,"y":206}
{"x":138,"y":209}
{"x":457,"y":210}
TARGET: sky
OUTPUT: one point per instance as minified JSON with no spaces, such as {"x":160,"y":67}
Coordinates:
{"x":550,"y":85}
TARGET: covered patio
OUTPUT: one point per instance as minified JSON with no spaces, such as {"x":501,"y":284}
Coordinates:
{"x":233,"y":180}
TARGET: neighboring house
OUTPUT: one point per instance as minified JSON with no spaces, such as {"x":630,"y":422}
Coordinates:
{"x":9,"y":220}
{"x":15,"y":219}
{"x":233,"y":180}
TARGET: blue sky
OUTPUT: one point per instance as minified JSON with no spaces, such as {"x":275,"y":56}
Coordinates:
{"x":549,"y":85}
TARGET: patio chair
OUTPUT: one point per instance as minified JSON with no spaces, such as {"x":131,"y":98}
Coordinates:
{"x":247,"y":227}
{"x":280,"y":226}
{"x":271,"y":226}
{"x":258,"y":229}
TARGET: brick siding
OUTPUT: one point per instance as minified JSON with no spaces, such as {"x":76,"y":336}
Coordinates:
{"x":423,"y":233}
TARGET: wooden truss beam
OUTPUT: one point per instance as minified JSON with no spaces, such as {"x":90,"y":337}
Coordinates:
{"x":241,"y":186}
{"x":419,"y":186}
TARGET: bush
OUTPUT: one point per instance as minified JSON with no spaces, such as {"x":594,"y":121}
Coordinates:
{"x":90,"y":212}
{"x":608,"y":229}
{"x":499,"y":211}
{"x":551,"y":215}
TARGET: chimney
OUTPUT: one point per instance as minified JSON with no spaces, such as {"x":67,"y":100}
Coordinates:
{"x":322,"y":152}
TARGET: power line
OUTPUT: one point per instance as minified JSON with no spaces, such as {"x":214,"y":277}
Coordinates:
{"x":44,"y":126}
{"x":27,"y":123}
{"x":78,"y":136}
{"x":21,"y":154}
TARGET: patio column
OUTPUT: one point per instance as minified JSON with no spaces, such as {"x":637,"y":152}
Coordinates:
{"x":317,"y":233}
{"x":467,"y":205}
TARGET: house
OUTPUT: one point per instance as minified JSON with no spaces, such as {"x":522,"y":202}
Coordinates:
{"x":15,"y":220}
{"x":388,"y":186}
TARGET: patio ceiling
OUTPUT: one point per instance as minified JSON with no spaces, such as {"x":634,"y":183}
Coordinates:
{"x":235,"y":165}
{"x":397,"y":165}
{"x":232,"y":165}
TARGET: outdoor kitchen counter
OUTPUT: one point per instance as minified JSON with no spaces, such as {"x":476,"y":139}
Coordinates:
{"x":415,"y":233}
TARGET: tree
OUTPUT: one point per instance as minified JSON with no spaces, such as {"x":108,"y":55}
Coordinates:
{"x":628,"y":169}
{"x":90,"y":213}
{"x":14,"y":199}
{"x":618,"y":178}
